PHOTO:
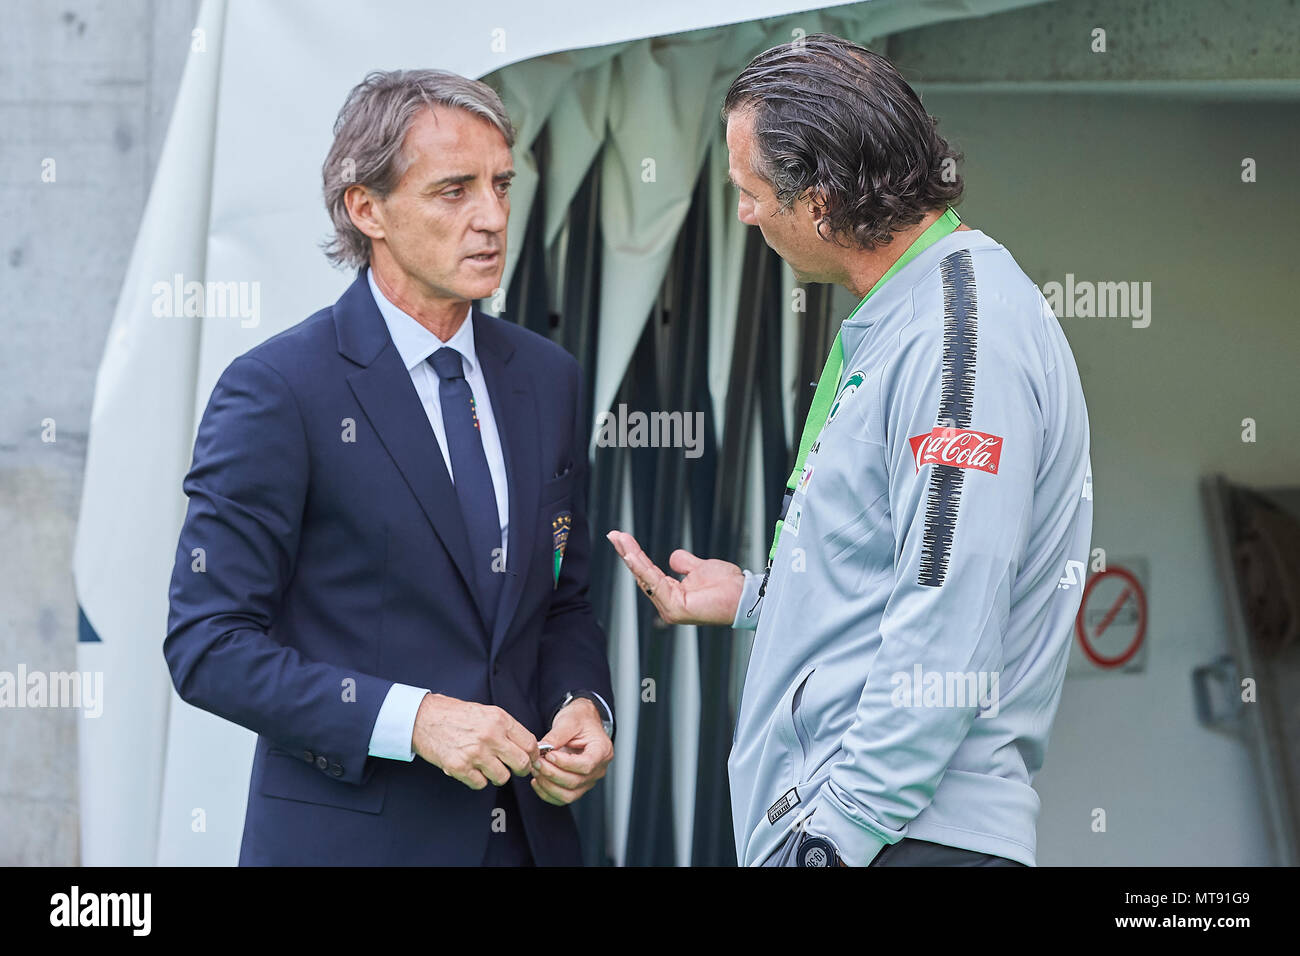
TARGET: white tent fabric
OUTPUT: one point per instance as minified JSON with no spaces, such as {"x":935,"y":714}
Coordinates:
{"x":141,"y":436}
{"x":237,"y":198}
{"x":575,"y":131}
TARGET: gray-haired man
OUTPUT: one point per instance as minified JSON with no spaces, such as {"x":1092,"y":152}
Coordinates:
{"x":395,"y":488}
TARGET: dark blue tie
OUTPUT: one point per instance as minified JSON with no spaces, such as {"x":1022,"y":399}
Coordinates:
{"x":472,"y":478}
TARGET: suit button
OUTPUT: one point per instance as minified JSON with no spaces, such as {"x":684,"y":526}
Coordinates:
{"x":337,"y":769}
{"x":308,"y":756}
{"x":321,"y":762}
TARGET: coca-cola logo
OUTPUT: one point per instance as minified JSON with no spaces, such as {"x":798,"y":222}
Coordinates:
{"x":959,"y":447}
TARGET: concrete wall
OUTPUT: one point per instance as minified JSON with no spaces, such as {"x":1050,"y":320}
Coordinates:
{"x":91,"y":86}
{"x":1213,"y":45}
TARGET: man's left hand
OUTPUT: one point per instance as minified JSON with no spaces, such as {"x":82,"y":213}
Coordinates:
{"x":582,"y":752}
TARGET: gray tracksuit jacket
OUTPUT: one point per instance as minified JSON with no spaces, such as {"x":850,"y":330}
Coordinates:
{"x":913,"y":636}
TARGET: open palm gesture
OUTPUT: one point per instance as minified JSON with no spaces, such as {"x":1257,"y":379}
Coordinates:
{"x":708,"y":593}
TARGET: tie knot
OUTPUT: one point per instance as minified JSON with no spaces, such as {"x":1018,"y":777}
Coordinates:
{"x":446,"y":362}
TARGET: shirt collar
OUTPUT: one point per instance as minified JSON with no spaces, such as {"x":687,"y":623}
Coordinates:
{"x":413,"y":341}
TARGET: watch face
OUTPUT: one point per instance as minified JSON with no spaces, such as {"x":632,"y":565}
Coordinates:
{"x":816,"y":851}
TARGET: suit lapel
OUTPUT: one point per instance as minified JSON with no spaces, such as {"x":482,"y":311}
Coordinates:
{"x":386,"y":394}
{"x":515,"y":412}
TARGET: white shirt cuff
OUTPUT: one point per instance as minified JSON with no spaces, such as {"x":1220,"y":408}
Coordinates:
{"x":395,"y":725}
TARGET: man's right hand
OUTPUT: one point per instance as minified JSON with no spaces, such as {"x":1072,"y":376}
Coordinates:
{"x":709,"y":592}
{"x":472,"y":743}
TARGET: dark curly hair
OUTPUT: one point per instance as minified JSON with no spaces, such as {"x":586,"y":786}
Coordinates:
{"x":830,"y":116}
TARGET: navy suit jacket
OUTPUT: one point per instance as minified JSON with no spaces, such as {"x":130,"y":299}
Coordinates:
{"x":335,"y":562}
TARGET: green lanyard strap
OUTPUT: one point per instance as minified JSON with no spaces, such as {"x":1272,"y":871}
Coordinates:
{"x":829,"y":383}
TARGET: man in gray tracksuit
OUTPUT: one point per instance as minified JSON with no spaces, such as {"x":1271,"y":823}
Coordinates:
{"x":914,"y":623}
{"x":914,"y":633}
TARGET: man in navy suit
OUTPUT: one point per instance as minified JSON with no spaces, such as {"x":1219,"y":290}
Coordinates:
{"x":385,"y":553}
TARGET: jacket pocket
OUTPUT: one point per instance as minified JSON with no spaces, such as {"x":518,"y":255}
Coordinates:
{"x":557,"y":490}
{"x":288,"y":778}
{"x":798,"y":715}
{"x":792,"y":720}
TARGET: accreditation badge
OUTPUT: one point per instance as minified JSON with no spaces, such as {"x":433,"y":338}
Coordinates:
{"x":560,"y":526}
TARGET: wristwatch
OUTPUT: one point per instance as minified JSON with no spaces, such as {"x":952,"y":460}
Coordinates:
{"x":606,"y":715}
{"x":816,"y":851}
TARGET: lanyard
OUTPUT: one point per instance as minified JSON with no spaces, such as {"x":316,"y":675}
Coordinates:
{"x":829,"y":383}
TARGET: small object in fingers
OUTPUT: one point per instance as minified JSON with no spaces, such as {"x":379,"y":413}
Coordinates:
{"x":544,"y":748}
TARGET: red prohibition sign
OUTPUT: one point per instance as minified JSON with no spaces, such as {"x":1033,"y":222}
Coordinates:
{"x":1133,"y":588}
